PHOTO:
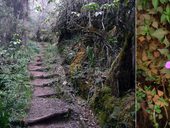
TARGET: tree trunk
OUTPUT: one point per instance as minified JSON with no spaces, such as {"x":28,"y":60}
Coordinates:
{"x":122,"y":72}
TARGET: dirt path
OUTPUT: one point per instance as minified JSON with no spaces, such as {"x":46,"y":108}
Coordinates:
{"x":53,"y":103}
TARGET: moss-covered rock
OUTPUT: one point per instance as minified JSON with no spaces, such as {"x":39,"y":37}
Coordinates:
{"x":111,"y":111}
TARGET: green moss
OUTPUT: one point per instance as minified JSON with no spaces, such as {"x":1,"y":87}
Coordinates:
{"x":84,"y":90}
{"x":109,"y":103}
{"x":112,"y":111}
{"x":106,"y":90}
{"x":102,"y":117}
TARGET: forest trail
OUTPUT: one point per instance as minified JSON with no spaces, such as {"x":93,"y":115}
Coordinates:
{"x":53,"y":104}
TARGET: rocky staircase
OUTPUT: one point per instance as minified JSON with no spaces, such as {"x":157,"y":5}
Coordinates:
{"x":47,"y":111}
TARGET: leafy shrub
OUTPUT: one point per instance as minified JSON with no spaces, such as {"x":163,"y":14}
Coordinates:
{"x":152,"y":54}
{"x":92,"y":6}
{"x":15,"y":91}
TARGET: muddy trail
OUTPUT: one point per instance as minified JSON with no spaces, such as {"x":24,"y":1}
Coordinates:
{"x":53,"y":103}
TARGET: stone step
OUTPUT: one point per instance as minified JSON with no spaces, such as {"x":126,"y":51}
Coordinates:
{"x":36,"y":63}
{"x":40,"y":74}
{"x":38,"y":58}
{"x":66,"y":124}
{"x":43,"y":82}
{"x":46,"y":109}
{"x":37,"y":68}
{"x":43,"y":92}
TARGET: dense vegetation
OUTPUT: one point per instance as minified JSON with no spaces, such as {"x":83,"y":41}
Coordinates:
{"x":15,"y":91}
{"x":153,"y":39}
{"x":95,"y":40}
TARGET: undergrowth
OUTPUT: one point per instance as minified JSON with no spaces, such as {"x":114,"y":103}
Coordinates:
{"x":50,"y":53}
{"x":153,"y":38}
{"x":88,"y":82}
{"x":15,"y":91}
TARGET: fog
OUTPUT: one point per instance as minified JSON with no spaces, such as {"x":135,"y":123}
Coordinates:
{"x":40,"y":13}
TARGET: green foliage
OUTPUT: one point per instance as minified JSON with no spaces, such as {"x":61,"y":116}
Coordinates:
{"x":15,"y":91}
{"x":155,"y":4}
{"x":84,"y":79}
{"x":153,"y":46}
{"x":155,"y":103}
{"x":165,"y":17}
{"x":159,"y":33}
{"x":107,"y":6}
{"x":145,"y":29}
{"x":140,"y":97}
{"x":159,"y":7}
{"x":51,"y":53}
{"x":91,"y":6}
{"x":114,"y":4}
{"x":111,"y":111}
{"x":4,"y":115}
{"x":112,"y":40}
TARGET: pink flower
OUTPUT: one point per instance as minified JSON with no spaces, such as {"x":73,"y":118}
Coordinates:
{"x":167,"y":65}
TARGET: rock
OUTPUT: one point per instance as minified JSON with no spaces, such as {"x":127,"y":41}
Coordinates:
{"x":43,"y":82}
{"x":43,"y":92}
{"x":45,"y":109}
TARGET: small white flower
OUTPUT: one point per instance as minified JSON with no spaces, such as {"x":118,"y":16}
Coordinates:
{"x":70,"y":54}
{"x":98,"y":13}
{"x":65,"y":82}
{"x":14,"y":43}
{"x":76,"y":13}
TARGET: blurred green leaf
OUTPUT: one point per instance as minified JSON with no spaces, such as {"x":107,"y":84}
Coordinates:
{"x":159,"y":33}
{"x":155,"y":4}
